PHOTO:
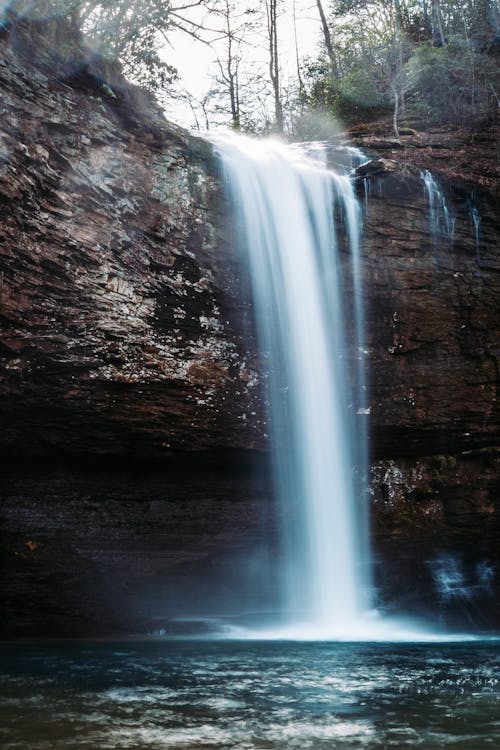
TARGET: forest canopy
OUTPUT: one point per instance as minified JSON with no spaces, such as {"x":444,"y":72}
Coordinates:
{"x":435,"y":60}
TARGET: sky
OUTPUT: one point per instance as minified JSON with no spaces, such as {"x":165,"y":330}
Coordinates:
{"x":195,"y":61}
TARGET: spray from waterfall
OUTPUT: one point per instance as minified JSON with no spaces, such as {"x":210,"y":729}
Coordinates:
{"x":293,"y":217}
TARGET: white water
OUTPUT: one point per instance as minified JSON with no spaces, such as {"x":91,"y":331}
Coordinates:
{"x":283,"y":205}
{"x":476,"y":220}
{"x":441,"y":220}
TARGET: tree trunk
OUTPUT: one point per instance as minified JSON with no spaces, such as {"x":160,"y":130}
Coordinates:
{"x":395,"y":114}
{"x":438,"y":37}
{"x":328,"y":41}
{"x":272,"y":28}
{"x":235,"y":104}
{"x":297,"y":57}
{"x":229,"y":70}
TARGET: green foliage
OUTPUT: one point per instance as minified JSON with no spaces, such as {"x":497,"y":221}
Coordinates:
{"x":132,"y":31}
{"x":351,"y":97}
{"x":359,"y":88}
{"x":378,"y":57}
{"x":385,"y":61}
{"x":452,"y":83}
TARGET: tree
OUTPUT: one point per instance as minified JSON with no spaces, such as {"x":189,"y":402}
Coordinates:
{"x":274,"y":69}
{"x":370,"y":53}
{"x":132,"y":31}
{"x":437,"y":24}
{"x":327,"y":38}
{"x":297,"y":56}
{"x":228,"y":67}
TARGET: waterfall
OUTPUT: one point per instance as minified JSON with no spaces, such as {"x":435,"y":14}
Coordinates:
{"x":288,"y":212}
{"x":476,"y":220}
{"x":441,"y":221}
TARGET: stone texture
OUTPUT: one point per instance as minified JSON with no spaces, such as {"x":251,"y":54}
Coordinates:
{"x":433,"y":329}
{"x":102,"y":549}
{"x":433,"y":343}
{"x":436,"y":532}
{"x":459,"y":153}
{"x":117,"y":291}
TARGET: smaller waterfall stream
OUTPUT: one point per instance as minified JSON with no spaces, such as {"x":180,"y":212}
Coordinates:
{"x":441,"y":220}
{"x":283,"y":205}
{"x":476,"y":220}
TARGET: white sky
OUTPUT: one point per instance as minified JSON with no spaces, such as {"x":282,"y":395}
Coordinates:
{"x":195,"y":61}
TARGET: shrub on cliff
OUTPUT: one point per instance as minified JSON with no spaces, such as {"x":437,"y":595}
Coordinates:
{"x":453,"y":83}
{"x":132,"y":33}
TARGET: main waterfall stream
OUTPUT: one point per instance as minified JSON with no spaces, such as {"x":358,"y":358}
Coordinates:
{"x":290,"y":213}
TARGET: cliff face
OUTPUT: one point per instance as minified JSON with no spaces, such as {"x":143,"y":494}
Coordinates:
{"x":116,"y":296}
{"x":433,"y":339}
{"x":131,"y":390}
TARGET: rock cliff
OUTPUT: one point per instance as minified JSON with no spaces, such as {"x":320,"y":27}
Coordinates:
{"x":114,"y":275}
{"x":134,"y":438}
{"x":431,"y":287}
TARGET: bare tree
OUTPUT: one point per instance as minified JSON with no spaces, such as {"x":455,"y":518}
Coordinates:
{"x":327,"y":38}
{"x":438,"y":37}
{"x":274,"y":68}
{"x":229,"y":66}
{"x":297,"y":56}
{"x":133,"y":31}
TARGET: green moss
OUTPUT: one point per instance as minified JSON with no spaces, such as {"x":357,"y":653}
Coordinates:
{"x":444,"y":462}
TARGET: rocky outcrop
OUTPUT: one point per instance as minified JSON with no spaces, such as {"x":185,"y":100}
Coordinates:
{"x":129,"y":389}
{"x":433,"y":330}
{"x":117,"y":289}
{"x":433,"y":344}
{"x":133,"y":427}
{"x":458,"y":153}
{"x":106,"y":549}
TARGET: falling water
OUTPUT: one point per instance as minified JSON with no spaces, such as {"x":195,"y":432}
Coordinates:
{"x":345,"y":158}
{"x":476,"y":220}
{"x":441,"y":221}
{"x":367,"y":186}
{"x":287,"y":209}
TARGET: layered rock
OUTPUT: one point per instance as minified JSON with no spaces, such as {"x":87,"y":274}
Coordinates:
{"x":133,"y":423}
{"x":117,"y":291}
{"x":433,"y":339}
{"x":126,"y":348}
{"x":433,"y":326}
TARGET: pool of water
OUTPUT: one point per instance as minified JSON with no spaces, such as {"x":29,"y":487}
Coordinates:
{"x":196,"y":695}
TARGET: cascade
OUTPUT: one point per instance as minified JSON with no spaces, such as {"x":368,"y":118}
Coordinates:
{"x":476,"y":220}
{"x":288,"y":210}
{"x":441,"y":221}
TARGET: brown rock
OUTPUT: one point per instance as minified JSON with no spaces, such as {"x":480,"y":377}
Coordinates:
{"x":114,"y":306}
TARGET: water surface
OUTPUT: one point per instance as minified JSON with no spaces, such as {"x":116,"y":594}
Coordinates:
{"x":249,"y":696}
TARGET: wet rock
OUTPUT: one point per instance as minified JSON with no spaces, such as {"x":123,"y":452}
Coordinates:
{"x":379,"y":144}
{"x":432,"y":328}
{"x":436,"y":534}
{"x":459,"y":153}
{"x":120,"y":302}
{"x":377,"y":166}
{"x":97,"y":548}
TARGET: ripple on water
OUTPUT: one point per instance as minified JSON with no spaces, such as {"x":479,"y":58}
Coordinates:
{"x":251,"y":697}
{"x":188,"y":738}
